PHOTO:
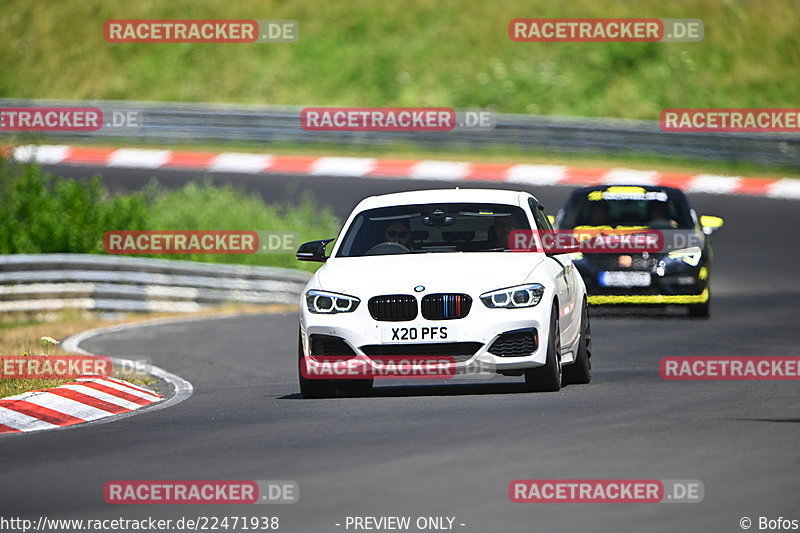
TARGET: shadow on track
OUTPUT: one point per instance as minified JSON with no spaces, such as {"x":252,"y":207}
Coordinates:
{"x":645,"y":313}
{"x":778,"y":420}
{"x":405,"y":391}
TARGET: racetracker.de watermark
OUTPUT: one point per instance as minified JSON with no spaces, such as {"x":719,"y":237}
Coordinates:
{"x":379,"y":366}
{"x":604,"y":239}
{"x":730,"y":120}
{"x":53,"y":366}
{"x":430,"y":119}
{"x":200,"y":242}
{"x":82,"y":119}
{"x":606,"y":491}
{"x":227,"y":31}
{"x":200,"y":492}
{"x":595,"y":240}
{"x":729,"y":368}
{"x":605,"y":30}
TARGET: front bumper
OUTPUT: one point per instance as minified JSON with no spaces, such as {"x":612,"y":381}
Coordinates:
{"x":648,"y":299}
{"x":481,"y":330}
{"x":672,"y":283}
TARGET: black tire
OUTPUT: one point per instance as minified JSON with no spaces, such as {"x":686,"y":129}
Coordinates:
{"x":355,"y":385}
{"x":702,"y":310}
{"x":581,"y":370}
{"x":547,"y":378}
{"x":312,"y":388}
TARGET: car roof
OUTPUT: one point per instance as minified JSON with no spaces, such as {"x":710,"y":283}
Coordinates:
{"x":433,"y":196}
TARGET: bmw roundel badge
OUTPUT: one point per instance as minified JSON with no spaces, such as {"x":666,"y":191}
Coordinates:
{"x":419,"y":288}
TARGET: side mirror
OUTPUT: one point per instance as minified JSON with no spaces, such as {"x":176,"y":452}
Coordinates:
{"x":710,"y":224}
{"x":558,"y":242}
{"x":313,"y":251}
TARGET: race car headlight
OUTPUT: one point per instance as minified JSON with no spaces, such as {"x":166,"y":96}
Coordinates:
{"x":323,"y":302}
{"x":690,"y":256}
{"x":513,"y":297}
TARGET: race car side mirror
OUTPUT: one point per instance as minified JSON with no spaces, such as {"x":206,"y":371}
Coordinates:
{"x":710,"y":224}
{"x":313,"y":251}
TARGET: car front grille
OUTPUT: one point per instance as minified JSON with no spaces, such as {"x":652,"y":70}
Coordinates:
{"x":330,"y":345}
{"x":611,"y":262}
{"x":393,"y":307}
{"x":459,"y":351}
{"x":515,"y":344}
{"x":446,"y":306}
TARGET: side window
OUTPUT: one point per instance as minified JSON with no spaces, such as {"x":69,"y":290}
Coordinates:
{"x":542,"y":222}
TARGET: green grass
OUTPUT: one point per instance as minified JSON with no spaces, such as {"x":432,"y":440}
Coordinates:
{"x":411,"y":53}
{"x":40,"y":213}
{"x":206,"y":207}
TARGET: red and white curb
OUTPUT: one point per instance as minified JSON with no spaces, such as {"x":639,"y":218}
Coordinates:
{"x":82,"y":400}
{"x":526,"y":174}
{"x":96,"y":399}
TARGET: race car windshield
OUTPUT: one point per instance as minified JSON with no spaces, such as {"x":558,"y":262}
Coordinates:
{"x":652,"y":209}
{"x":432,"y":228}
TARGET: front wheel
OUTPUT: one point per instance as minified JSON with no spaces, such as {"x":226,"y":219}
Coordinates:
{"x":312,"y":388}
{"x":355,"y":385}
{"x":581,"y":370}
{"x":547,"y":378}
{"x":702,"y":310}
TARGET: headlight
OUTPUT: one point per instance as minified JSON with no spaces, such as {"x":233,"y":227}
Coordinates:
{"x":324,"y":302}
{"x":513,"y":297}
{"x":690,"y":256}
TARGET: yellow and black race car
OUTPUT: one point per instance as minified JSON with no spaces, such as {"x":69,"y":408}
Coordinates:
{"x":677,"y":273}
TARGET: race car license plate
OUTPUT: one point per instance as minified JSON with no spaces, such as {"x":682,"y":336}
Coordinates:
{"x":401,"y":334}
{"x":624,"y":279}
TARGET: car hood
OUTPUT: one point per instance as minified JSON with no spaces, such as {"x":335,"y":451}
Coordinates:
{"x":437,"y":272}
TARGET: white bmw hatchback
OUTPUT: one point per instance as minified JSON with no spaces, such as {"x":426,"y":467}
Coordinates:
{"x":430,"y":273}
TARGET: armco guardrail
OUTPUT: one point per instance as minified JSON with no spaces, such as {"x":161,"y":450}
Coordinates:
{"x":39,"y":282}
{"x":203,"y":123}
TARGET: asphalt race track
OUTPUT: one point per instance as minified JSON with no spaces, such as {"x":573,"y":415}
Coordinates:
{"x":422,"y":449}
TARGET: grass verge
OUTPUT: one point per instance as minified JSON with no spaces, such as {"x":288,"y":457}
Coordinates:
{"x":453,"y":53}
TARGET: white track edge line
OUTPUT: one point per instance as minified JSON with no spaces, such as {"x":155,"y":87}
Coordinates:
{"x":183,"y":389}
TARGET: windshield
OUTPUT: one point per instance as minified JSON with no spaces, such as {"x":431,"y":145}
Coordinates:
{"x":428,"y":228}
{"x":627,"y":207}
